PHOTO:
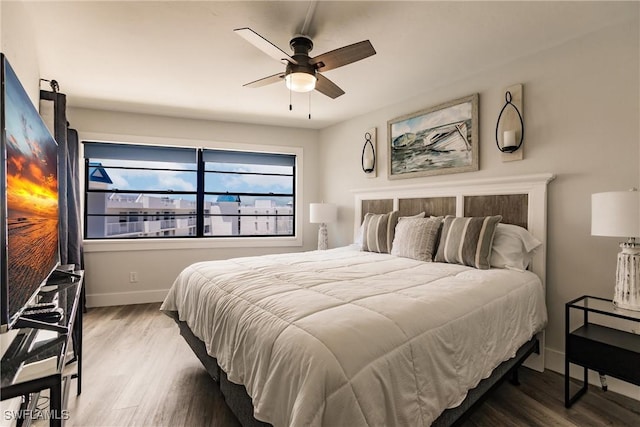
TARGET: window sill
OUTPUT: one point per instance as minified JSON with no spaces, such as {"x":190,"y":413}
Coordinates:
{"x":105,"y":245}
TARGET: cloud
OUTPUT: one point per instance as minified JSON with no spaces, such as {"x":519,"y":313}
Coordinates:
{"x":185,"y":180}
{"x":177,"y":183}
{"x":144,"y":179}
{"x":258,"y":183}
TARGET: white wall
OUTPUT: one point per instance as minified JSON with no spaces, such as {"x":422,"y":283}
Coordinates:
{"x":107,"y":271}
{"x":19,"y":46}
{"x":581,"y":112}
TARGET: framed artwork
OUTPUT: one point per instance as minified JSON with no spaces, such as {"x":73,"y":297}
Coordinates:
{"x":439,"y":140}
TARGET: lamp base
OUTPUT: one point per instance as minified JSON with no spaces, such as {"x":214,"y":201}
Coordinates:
{"x":627,"y":291}
{"x":323,"y":237}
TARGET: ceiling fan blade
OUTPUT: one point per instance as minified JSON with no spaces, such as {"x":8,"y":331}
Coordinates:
{"x":266,"y":80}
{"x":343,"y":56}
{"x":264,"y":45}
{"x":327,"y":87}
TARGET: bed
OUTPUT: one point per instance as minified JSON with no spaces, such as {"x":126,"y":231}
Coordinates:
{"x":353,"y":337}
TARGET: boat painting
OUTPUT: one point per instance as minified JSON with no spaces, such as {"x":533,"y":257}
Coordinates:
{"x":452,"y":137}
{"x":440,"y":140}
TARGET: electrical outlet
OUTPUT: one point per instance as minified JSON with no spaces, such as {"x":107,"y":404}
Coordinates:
{"x":133,"y":277}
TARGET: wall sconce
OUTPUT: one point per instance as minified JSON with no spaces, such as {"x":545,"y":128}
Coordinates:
{"x":368,"y":158}
{"x":510,"y":125}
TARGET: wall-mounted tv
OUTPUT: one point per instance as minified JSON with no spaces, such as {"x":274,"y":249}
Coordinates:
{"x":28,"y":199}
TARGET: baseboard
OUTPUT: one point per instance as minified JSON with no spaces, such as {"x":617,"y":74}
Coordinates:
{"x":554,"y":361}
{"x":126,"y":298}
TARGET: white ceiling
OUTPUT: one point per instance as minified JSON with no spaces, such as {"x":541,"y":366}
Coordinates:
{"x":182,"y":58}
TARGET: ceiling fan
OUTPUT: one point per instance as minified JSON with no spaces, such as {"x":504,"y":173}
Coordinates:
{"x":302,"y":73}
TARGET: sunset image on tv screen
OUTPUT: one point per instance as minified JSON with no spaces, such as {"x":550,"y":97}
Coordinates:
{"x":32,"y":195}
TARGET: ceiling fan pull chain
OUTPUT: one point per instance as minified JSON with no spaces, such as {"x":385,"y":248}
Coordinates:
{"x":309,"y":105}
{"x":290,"y":105}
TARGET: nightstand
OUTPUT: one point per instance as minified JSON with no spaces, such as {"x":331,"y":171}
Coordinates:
{"x":601,"y":348}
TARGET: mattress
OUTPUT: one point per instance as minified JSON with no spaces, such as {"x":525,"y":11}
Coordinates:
{"x":349,"y":338}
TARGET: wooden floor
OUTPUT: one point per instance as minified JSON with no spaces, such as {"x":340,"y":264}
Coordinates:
{"x":138,"y":371}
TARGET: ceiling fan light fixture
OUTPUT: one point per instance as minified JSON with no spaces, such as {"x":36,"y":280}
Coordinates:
{"x":300,"y":82}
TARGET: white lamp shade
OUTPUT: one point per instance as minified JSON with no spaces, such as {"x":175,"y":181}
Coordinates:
{"x":615,"y":214}
{"x":322,"y":213}
{"x":300,"y":82}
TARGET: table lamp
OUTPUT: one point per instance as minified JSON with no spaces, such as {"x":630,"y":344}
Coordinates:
{"x":322,"y":213}
{"x":617,"y":214}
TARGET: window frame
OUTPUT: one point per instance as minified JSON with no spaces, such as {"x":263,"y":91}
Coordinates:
{"x":189,"y":242}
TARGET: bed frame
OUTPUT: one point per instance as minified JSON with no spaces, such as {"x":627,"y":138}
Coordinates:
{"x":521,"y":200}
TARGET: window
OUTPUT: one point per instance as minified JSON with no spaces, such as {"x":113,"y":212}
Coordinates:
{"x":241,"y":188}
{"x":186,"y":192}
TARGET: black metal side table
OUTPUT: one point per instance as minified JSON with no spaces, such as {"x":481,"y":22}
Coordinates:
{"x":607,"y":350}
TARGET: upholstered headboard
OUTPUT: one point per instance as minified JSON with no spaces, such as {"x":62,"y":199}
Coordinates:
{"x":521,"y":200}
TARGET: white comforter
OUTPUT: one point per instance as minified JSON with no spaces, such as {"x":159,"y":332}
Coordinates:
{"x":349,"y":338}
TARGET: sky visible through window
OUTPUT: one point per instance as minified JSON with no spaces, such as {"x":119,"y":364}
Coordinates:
{"x":182,"y":177}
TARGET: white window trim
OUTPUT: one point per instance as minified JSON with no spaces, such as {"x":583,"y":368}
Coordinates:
{"x":115,"y":245}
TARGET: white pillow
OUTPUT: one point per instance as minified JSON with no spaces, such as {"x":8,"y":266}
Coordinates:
{"x":513,"y":246}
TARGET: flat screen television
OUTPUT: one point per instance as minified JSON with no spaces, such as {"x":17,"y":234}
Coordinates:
{"x":28,"y":199}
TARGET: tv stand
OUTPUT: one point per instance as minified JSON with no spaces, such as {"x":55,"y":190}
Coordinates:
{"x":34,"y":323}
{"x":41,"y":355}
{"x":62,"y":275}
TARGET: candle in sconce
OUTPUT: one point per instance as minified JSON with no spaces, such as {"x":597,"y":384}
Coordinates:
{"x":368,"y":163}
{"x":509,"y":138}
